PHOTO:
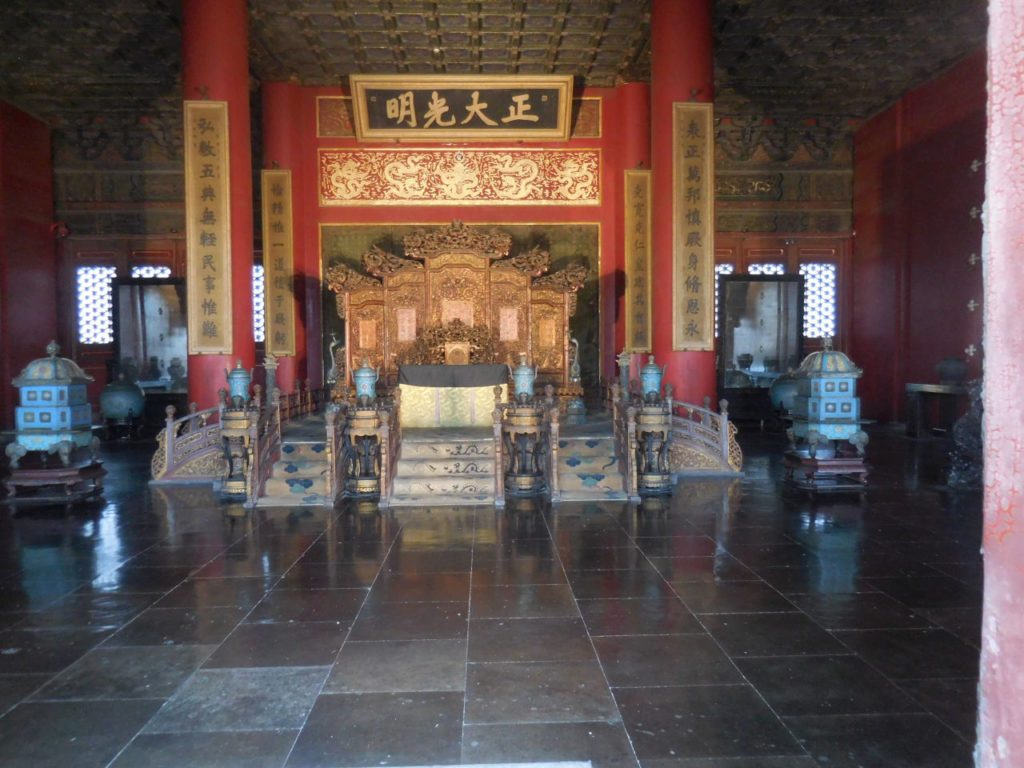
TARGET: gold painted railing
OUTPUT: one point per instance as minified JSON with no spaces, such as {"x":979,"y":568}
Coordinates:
{"x":189,"y":448}
{"x":710,"y":433}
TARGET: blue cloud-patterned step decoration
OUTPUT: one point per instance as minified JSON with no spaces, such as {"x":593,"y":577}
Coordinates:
{"x":299,"y":484}
{"x":573,"y":461}
{"x":590,"y":480}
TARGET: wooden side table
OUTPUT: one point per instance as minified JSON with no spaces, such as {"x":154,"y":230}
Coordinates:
{"x":919,"y":397}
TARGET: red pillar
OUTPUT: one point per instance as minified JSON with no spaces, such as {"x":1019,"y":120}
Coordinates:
{"x":215,"y":65}
{"x":282,"y":148}
{"x":682,"y":69}
{"x":633,"y":145}
{"x":1001,"y":691}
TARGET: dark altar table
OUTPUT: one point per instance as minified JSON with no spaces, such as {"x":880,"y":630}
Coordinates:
{"x":449,"y":395}
{"x":949,"y":396}
{"x":481,"y":375}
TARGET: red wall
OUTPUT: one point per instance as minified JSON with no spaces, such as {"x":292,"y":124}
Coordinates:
{"x":913,"y":194}
{"x":28,"y":268}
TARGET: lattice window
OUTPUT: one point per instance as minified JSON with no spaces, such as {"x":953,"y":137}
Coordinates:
{"x":766,"y":268}
{"x":95,"y":308}
{"x":148,"y":271}
{"x":819,"y":299}
{"x":720,"y":269}
{"x":259,"y":298}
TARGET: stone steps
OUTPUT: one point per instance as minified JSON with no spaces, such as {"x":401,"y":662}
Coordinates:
{"x":444,"y":467}
{"x":299,"y":477}
{"x":588,"y":469}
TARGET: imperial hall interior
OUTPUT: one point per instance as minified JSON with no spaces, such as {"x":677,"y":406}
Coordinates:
{"x":540,"y":382}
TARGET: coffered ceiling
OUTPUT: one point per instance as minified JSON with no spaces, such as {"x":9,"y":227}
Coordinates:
{"x":69,"y":61}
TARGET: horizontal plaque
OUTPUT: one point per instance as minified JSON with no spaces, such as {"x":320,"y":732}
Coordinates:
{"x":462,"y":107}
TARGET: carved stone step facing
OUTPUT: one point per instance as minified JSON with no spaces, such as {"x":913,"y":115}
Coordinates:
{"x":455,"y":450}
{"x":448,"y":486}
{"x":453,"y":466}
{"x":586,"y":446}
{"x":310,"y":450}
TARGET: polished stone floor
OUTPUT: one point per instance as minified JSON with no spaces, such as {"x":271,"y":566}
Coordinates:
{"x":738,"y":625}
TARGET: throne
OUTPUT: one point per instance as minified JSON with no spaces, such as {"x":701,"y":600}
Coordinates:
{"x":456,"y":298}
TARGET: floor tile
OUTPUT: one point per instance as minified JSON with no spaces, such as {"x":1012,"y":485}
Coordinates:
{"x":525,"y":570}
{"x":430,"y":561}
{"x":858,"y":610}
{"x":285,"y":605}
{"x":243,"y":749}
{"x":954,"y":701}
{"x":881,"y":741}
{"x":90,"y":610}
{"x":14,"y":688}
{"x":411,"y":621}
{"x":531,"y":692}
{"x":823,"y":685}
{"x":913,"y":653}
{"x":605,"y":745}
{"x":141,"y":579}
{"x":126,"y":673}
{"x":664,"y":660}
{"x":790,"y":761}
{"x":331,"y":575}
{"x":542,"y":639}
{"x":395,"y":666}
{"x":46,"y":650}
{"x":730,"y":597}
{"x":413,"y":587}
{"x":252,"y":699}
{"x":702,"y":721}
{"x":665,"y":615}
{"x":770,"y":634}
{"x":235,"y":593}
{"x":345,"y":730}
{"x":632,"y":583}
{"x":68,"y":734}
{"x":291,"y":644}
{"x":522,"y":601}
{"x":715,"y":568}
{"x":170,"y":626}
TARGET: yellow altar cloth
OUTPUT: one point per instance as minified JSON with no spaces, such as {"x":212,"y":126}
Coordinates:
{"x":422,"y":406}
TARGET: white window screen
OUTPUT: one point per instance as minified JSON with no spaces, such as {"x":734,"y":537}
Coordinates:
{"x":95,"y":309}
{"x":819,"y":299}
{"x":766,"y":268}
{"x":259,"y":294}
{"x":147,"y":271}
{"x":720,"y":269}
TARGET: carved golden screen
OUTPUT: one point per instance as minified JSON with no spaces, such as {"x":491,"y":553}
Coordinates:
{"x":510,"y":314}
{"x":456,"y":290}
{"x":405,"y":302}
{"x":548,"y":329}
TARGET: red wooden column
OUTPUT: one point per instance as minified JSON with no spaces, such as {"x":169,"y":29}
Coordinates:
{"x":215,"y":65}
{"x":1001,"y":692}
{"x":282,"y":148}
{"x":682,"y":69}
{"x":633,"y":145}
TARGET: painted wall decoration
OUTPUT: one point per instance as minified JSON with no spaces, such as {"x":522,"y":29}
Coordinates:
{"x":465,"y":176}
{"x":278,"y":261}
{"x":693,"y":257}
{"x":346,"y":244}
{"x":462,"y":107}
{"x":638,"y":260}
{"x":208,"y":227}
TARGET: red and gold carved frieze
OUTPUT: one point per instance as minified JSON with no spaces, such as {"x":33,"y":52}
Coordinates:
{"x":465,"y":176}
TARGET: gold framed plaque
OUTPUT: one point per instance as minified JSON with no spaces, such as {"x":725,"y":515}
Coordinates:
{"x":462,"y":107}
{"x":278,"y":262}
{"x":693,"y":257}
{"x":208,"y":227}
{"x":638,"y":261}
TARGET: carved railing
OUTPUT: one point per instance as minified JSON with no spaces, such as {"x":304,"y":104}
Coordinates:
{"x":189,"y":447}
{"x":711,"y":433}
{"x":264,"y":443}
{"x":498,"y":415}
{"x":390,"y":446}
{"x":334,"y":418}
{"x":551,"y":415}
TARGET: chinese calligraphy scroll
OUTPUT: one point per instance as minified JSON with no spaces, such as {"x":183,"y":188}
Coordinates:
{"x":208,"y":227}
{"x":638,"y":261}
{"x":467,"y":107}
{"x":278,"y":262}
{"x":693,"y":284}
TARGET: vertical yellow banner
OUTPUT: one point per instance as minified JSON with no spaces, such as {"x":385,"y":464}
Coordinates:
{"x":693,"y":255}
{"x":638,"y":261}
{"x":278,"y":262}
{"x":208,"y":227}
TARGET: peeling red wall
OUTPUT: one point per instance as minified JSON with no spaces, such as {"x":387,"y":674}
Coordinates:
{"x":28,"y":268}
{"x":1001,"y":692}
{"x":914,"y":192}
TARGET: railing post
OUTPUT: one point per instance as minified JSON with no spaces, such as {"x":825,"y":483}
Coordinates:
{"x":499,"y":461}
{"x":723,"y":407}
{"x":631,"y":452}
{"x":556,"y":493}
